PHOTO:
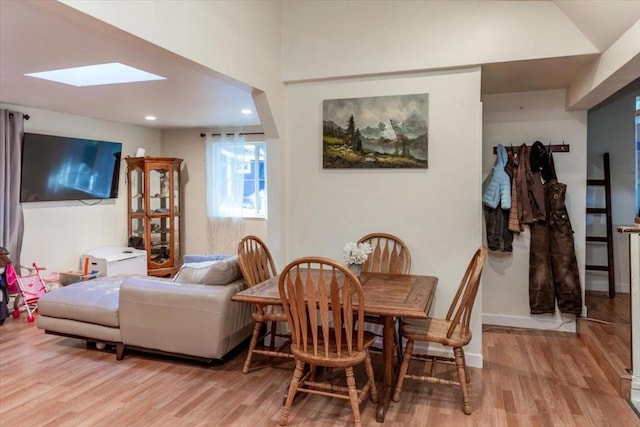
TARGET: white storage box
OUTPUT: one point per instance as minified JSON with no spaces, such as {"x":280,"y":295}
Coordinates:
{"x":114,"y":260}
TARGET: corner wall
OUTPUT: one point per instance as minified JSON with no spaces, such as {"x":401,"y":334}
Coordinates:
{"x":437,"y":211}
{"x":514,"y":119}
{"x":612,"y":130}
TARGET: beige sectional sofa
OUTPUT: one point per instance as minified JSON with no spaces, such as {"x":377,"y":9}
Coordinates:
{"x":148,"y":313}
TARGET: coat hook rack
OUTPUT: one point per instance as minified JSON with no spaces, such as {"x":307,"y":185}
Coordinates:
{"x":555,"y":148}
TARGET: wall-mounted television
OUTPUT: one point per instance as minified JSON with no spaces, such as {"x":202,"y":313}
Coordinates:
{"x":62,"y":168}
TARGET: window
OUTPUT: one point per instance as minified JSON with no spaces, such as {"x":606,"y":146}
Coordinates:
{"x":254,"y":195}
{"x":237,"y":179}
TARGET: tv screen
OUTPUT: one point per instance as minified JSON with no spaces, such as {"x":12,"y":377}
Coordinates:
{"x":62,"y":168}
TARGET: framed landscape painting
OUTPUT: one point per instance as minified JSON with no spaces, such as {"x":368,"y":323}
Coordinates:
{"x":375,"y":132}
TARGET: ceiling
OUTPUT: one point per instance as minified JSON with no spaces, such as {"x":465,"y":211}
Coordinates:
{"x":193,"y":96}
{"x":601,"y":21}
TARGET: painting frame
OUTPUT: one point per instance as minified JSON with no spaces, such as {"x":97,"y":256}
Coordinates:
{"x":376,"y":132}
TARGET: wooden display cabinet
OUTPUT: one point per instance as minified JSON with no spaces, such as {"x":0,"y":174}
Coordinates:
{"x":155,"y":211}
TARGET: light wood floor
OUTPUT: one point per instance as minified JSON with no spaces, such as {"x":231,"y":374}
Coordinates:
{"x":607,"y":333}
{"x":615,"y":310}
{"x":530,"y":378}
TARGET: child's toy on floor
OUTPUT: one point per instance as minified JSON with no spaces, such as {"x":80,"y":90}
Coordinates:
{"x":5,"y":282}
{"x":31,"y":288}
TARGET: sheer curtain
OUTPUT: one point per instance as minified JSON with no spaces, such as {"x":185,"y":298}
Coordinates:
{"x":225,"y":192}
{"x":11,"y":219}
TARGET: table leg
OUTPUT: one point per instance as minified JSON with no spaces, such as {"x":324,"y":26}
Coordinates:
{"x":388,"y":374}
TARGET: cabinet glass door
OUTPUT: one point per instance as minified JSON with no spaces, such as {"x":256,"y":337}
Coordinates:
{"x":176,"y":192}
{"x":137,"y":190}
{"x":159,"y":191}
{"x":137,"y":227}
{"x":160,"y":216}
{"x":177,"y":254}
{"x":160,"y":240}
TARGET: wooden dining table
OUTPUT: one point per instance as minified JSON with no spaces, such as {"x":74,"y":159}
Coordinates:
{"x":387,"y":295}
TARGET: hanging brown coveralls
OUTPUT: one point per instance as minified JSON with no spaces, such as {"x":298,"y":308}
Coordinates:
{"x":553,"y":269}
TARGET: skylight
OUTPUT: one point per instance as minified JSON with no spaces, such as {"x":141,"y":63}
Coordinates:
{"x":95,"y":75}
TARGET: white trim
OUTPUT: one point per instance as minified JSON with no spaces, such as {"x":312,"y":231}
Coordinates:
{"x":634,"y":256}
{"x":555,"y":322}
{"x":635,"y":398}
{"x":599,"y":284}
{"x":474,"y":360}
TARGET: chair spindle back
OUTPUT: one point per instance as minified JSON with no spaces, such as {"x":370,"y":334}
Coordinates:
{"x":256,"y":262}
{"x":462,"y":303}
{"x":390,"y":254}
{"x":318,"y":296}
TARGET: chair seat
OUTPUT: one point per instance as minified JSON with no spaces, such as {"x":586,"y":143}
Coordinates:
{"x":271,"y":313}
{"x":332,"y":359}
{"x":434,"y":330}
{"x":438,"y":331}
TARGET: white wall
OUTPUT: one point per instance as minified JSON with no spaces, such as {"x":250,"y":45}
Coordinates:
{"x":240,"y":41}
{"x":347,"y":38}
{"x":513,"y":119}
{"x":57,"y":233}
{"x":612,"y":130}
{"x":187,"y":144}
{"x":436,"y":211}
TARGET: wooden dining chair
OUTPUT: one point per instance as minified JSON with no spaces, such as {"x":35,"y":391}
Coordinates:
{"x":452,"y":331}
{"x":390,"y":255}
{"x":256,"y":264}
{"x":318,"y":296}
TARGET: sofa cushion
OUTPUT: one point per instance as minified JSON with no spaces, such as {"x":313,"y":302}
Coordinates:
{"x":223,"y":272}
{"x":94,"y":301}
{"x":220,"y":272}
{"x":202,"y":258}
{"x":193,"y":272}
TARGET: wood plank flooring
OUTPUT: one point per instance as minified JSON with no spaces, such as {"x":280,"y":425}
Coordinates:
{"x":607,"y":334}
{"x":530,"y":378}
{"x":614,"y":310}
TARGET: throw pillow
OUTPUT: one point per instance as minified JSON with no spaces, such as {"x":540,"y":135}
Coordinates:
{"x":193,"y":272}
{"x":223,"y":272}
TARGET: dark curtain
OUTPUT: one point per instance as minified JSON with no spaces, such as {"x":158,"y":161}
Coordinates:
{"x":11,"y":219}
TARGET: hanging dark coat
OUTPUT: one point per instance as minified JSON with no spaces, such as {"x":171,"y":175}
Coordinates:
{"x":531,"y":195}
{"x":514,"y":224}
{"x":553,"y":269}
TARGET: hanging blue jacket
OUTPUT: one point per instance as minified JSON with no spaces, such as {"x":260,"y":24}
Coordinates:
{"x":498,"y":192}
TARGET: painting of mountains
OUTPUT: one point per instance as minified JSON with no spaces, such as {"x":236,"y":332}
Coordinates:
{"x":375,"y":132}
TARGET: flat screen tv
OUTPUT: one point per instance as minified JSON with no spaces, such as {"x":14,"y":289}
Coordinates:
{"x":61,"y":168}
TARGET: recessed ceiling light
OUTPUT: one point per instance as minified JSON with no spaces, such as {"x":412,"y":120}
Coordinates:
{"x":150,"y":118}
{"x":95,"y":75}
{"x":246,"y":111}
